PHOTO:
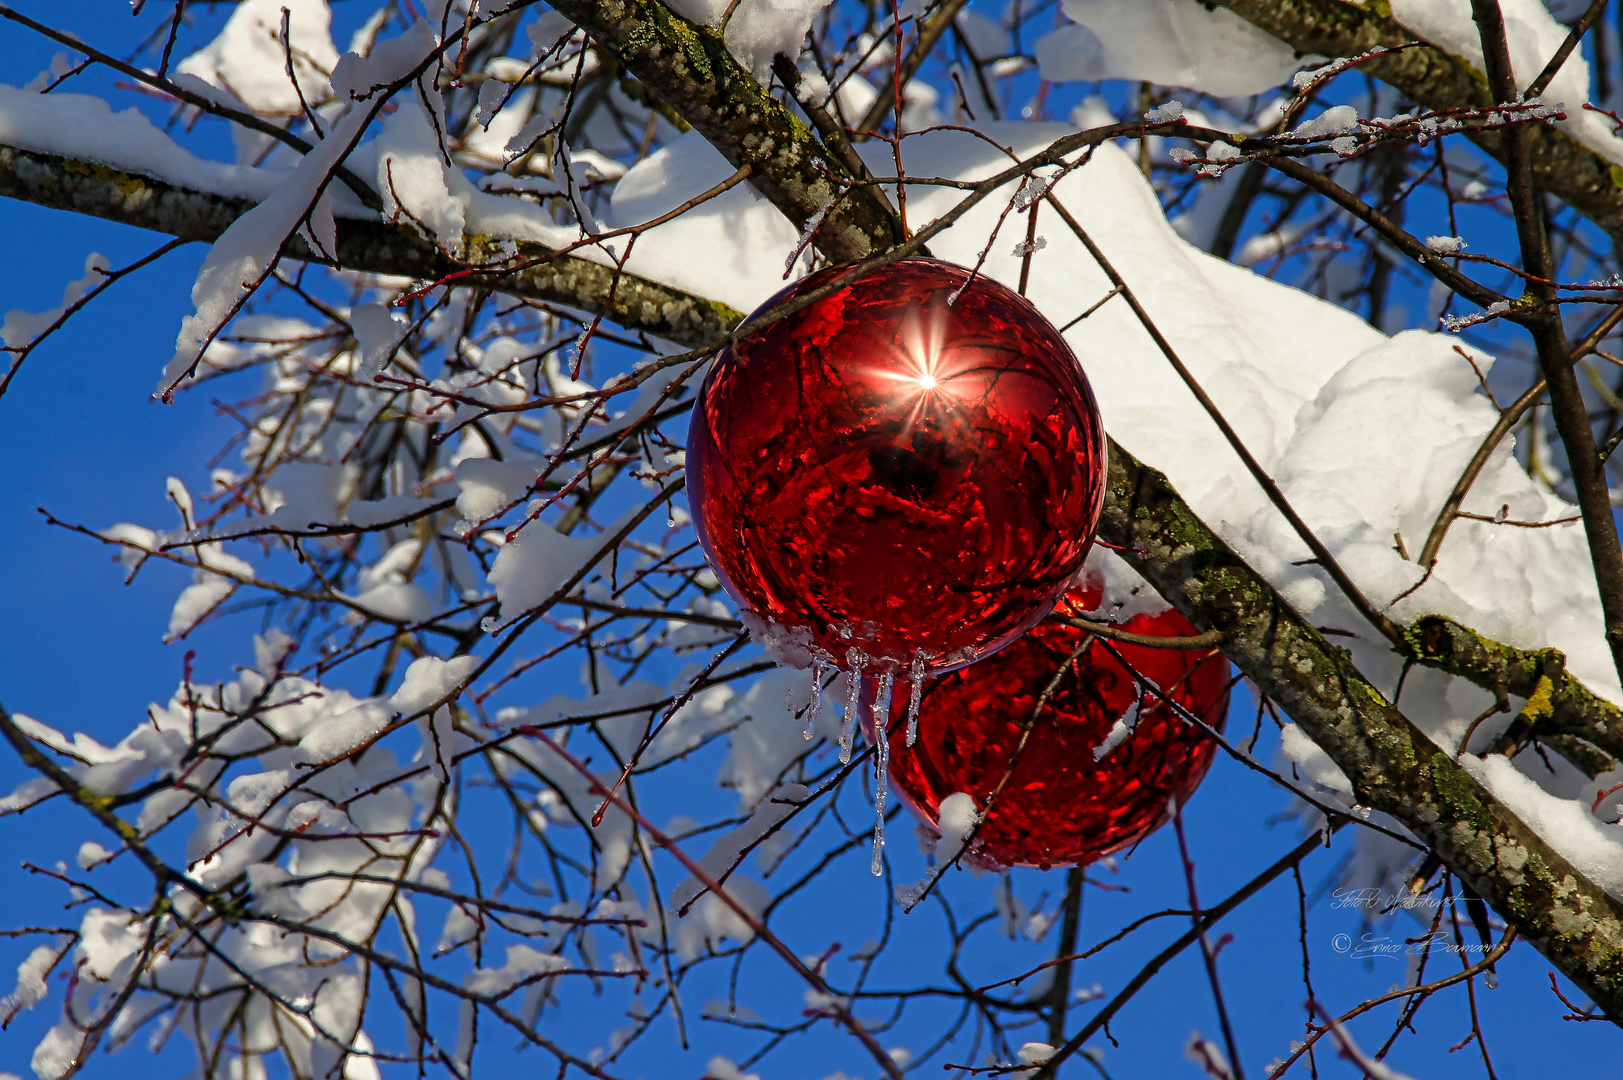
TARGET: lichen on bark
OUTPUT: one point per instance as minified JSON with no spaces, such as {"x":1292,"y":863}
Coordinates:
{"x":689,"y":68}
{"x":1392,"y":765}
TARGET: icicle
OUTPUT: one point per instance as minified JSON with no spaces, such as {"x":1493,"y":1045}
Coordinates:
{"x":857,"y":658}
{"x":915,"y":674}
{"x":817,"y":698}
{"x":881,"y":723}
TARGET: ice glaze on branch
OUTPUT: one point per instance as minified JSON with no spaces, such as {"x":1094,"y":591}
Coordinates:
{"x":1335,"y":28}
{"x":370,"y":246}
{"x":689,"y":68}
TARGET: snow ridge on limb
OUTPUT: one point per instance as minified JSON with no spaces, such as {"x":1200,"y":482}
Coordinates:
{"x":1392,"y":765}
{"x":372,"y":246}
{"x":244,"y":255}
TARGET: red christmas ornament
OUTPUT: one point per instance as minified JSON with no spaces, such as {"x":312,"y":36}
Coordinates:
{"x":900,"y":477}
{"x":1082,"y":787}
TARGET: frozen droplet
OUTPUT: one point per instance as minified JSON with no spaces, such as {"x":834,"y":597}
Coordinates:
{"x":915,"y":675}
{"x":877,"y":864}
{"x":817,"y":699}
{"x":858,"y":659}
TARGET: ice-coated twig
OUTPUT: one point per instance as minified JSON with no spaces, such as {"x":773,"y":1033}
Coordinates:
{"x":1126,"y":724}
{"x":915,"y":675}
{"x":853,"y":700}
{"x":1034,"y":188}
{"x":881,"y":759}
{"x":1165,"y":113}
{"x":1455,"y":323}
{"x":817,"y":698}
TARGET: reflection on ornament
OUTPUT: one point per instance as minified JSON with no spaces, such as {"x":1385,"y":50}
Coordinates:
{"x":899,"y":478}
{"x":1103,"y":757}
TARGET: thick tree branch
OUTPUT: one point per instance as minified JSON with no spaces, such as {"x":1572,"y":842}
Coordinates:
{"x":1558,"y":704}
{"x":689,"y":68}
{"x":1567,"y":406}
{"x":371,"y":246}
{"x":241,"y":117}
{"x":1560,"y":164}
{"x":1392,"y":765}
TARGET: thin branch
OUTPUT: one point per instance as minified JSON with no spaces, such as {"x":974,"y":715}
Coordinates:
{"x":1579,"y":29}
{"x":1555,"y":362}
{"x":1375,"y":617}
{"x":1208,"y":919}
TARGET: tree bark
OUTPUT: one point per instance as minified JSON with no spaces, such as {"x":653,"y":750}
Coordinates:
{"x":1392,"y":765}
{"x":689,"y":68}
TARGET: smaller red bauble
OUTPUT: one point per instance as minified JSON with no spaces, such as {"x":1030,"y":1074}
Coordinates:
{"x":901,"y":476}
{"x":1062,"y":806}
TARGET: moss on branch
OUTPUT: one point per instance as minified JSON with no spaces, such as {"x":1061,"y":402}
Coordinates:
{"x":1392,"y":765}
{"x":1558,"y":704}
{"x":689,"y":68}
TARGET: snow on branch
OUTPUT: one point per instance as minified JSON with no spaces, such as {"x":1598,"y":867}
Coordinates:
{"x":367,"y":245}
{"x":1439,"y":80}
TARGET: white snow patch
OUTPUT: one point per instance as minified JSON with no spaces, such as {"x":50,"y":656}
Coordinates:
{"x":1167,"y":42}
{"x":31,"y":987}
{"x":1336,"y":120}
{"x":956,"y":818}
{"x":22,"y":327}
{"x":430,"y":679}
{"x":537,"y":563}
{"x":247,"y":60}
{"x":729,"y":849}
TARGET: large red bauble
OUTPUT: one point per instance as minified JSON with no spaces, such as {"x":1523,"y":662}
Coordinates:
{"x":903,"y":474}
{"x":1061,"y":807}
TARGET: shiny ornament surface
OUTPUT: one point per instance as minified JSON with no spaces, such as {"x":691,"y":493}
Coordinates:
{"x":900,"y":477}
{"x":1061,"y":806}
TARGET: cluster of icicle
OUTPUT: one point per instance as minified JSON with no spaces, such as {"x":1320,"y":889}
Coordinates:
{"x":917,"y":671}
